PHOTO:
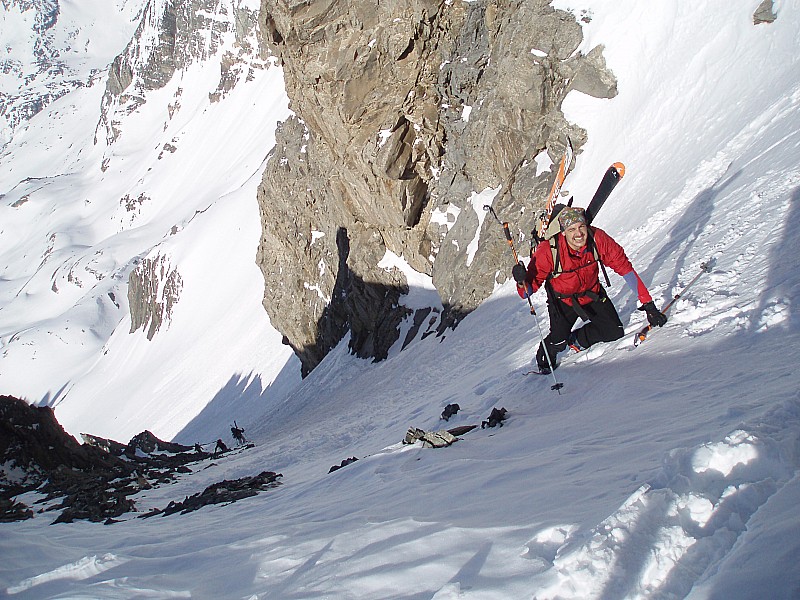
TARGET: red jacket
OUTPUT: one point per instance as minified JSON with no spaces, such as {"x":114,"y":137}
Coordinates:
{"x":580,"y":271}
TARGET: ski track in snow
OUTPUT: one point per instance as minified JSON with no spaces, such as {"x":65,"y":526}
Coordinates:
{"x":759,"y":208}
{"x":661,"y":539}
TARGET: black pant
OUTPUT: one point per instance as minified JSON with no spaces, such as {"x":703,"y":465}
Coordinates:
{"x":604,"y":326}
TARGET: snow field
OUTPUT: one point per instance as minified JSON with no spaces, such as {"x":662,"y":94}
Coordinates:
{"x":666,"y":471}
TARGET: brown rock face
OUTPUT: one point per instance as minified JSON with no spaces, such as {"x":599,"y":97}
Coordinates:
{"x":403,"y":111}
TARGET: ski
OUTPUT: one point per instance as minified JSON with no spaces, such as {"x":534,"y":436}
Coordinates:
{"x":535,"y":372}
{"x":642,"y":335}
{"x":610,"y":180}
{"x":555,"y":190}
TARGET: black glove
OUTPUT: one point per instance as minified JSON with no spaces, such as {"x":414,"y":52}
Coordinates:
{"x":654,"y":316}
{"x":519,"y":273}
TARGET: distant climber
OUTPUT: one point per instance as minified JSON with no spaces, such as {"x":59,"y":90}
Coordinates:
{"x":238,"y":434}
{"x":220,"y":447}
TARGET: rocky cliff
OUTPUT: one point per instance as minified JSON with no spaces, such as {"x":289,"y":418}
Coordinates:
{"x":403,"y":112}
{"x":99,"y":479}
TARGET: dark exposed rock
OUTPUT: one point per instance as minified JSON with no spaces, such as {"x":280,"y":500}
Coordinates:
{"x":223,"y":492}
{"x":88,"y":498}
{"x":11,"y":510}
{"x":344,"y":463}
{"x":33,"y":440}
{"x":37,"y":453}
{"x":105,"y":444}
{"x":93,"y":481}
{"x":148,"y":443}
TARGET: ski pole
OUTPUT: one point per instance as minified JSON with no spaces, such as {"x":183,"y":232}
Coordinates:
{"x":642,"y":335}
{"x":504,"y":224}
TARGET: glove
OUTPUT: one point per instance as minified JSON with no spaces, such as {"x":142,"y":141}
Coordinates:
{"x":654,"y":316}
{"x":520,"y":273}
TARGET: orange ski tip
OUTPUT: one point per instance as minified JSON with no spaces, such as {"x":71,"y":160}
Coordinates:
{"x":620,"y":169}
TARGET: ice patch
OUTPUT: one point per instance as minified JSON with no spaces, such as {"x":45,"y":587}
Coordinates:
{"x":445,"y":217}
{"x":543,"y":162}
{"x":316,"y":288}
{"x":383,"y":136}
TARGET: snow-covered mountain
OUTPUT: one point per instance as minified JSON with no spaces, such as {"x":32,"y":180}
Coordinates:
{"x":666,"y":471}
{"x":50,"y":48}
{"x":97,"y":194}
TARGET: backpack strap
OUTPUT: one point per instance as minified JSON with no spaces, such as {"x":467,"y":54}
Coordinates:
{"x":597,"y":256}
{"x":557,"y":270}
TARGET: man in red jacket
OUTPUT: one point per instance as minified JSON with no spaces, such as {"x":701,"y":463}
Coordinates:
{"x":568,"y":266}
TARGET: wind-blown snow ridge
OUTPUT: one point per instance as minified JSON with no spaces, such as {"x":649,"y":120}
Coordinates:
{"x":89,"y":566}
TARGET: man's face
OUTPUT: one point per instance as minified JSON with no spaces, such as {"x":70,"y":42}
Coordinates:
{"x":575,"y":235}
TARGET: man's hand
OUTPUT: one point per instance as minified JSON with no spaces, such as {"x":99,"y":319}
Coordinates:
{"x":654,"y":316}
{"x":519,"y":273}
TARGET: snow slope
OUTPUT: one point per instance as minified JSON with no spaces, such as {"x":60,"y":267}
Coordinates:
{"x":666,"y":471}
{"x":78,"y":216}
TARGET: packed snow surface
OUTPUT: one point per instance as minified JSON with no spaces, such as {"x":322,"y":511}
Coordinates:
{"x":663,"y":471}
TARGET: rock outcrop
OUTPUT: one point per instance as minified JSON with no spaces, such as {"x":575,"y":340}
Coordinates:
{"x":171,"y":37}
{"x":47,"y":75}
{"x":223,"y":492}
{"x":408,"y":117}
{"x":765,"y":13}
{"x":154,"y":287}
{"x":96,"y":481}
{"x":37,"y":453}
{"x":404,"y":111}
